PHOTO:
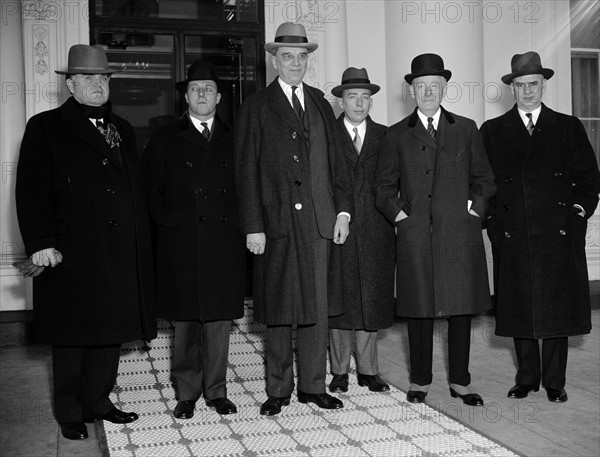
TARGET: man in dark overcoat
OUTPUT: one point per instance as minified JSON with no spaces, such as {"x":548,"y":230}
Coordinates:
{"x":434,"y":182}
{"x":368,"y":253}
{"x":82,"y":212}
{"x":548,"y":184}
{"x":200,"y":255}
{"x":291,"y":202}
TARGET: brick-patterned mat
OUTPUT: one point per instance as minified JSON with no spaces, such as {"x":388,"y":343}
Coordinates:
{"x":370,"y":424}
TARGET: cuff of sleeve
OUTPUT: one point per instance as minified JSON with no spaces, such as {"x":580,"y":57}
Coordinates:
{"x":343,"y":213}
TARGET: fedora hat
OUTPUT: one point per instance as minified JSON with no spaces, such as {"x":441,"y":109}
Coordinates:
{"x":427,"y":65}
{"x":291,"y":35}
{"x":526,"y":64}
{"x":199,"y":71}
{"x":353,"y":78}
{"x":87,"y":59}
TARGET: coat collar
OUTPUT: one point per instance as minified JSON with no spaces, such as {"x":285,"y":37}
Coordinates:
{"x":82,"y":128}
{"x":515,"y":132}
{"x":370,"y":143}
{"x":418,"y":130}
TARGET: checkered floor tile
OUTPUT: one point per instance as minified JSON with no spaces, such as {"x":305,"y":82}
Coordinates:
{"x":370,"y":424}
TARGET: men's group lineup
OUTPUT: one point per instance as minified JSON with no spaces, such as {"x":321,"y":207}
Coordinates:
{"x":350,"y":223}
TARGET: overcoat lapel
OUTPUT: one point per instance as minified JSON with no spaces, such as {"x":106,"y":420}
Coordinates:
{"x":280,"y":103}
{"x":444,"y":132}
{"x":545,"y":128}
{"x":515,"y":131}
{"x":348,"y":146}
{"x":82,"y":128}
{"x":369,"y":146}
{"x":418,"y":130}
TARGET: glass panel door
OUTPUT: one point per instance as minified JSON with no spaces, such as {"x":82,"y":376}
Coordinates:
{"x":143,"y":88}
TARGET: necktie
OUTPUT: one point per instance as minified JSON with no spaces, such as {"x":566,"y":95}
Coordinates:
{"x":296,"y":104}
{"x":530,"y":123}
{"x":205,"y":130}
{"x":357,"y":141}
{"x":430,"y":128}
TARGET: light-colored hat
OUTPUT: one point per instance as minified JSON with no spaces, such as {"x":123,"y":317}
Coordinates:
{"x":526,"y":64}
{"x":291,"y":35}
{"x":353,"y":78}
{"x":87,"y":59}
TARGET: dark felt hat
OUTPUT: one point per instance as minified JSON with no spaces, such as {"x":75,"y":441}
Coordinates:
{"x":427,"y":65}
{"x":291,"y":35}
{"x":526,"y":64}
{"x":88,"y":60}
{"x":199,"y":71}
{"x":354,"y":78}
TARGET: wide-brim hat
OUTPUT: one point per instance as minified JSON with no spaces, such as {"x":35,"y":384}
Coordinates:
{"x":354,"y":78}
{"x":87,"y":60}
{"x":427,"y":65}
{"x":199,"y":71}
{"x":291,"y":35}
{"x":526,"y":64}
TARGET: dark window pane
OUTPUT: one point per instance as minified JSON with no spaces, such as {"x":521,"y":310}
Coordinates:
{"x":205,"y":10}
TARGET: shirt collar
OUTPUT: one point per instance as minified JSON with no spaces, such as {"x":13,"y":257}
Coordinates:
{"x":436,"y":118}
{"x":535,"y":114}
{"x":198,"y":123}
{"x":362,"y":128}
{"x":287,"y":90}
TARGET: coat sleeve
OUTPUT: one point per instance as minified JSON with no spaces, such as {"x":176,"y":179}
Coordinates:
{"x":247,"y":149}
{"x":35,"y":188}
{"x":154,"y":177}
{"x":387,"y":180}
{"x":481,"y":182}
{"x":584,"y":170}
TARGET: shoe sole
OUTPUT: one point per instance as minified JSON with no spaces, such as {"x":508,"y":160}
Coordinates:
{"x":270,"y":413}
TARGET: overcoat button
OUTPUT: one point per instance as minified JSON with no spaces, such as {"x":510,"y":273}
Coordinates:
{"x":105,"y":161}
{"x":562,"y":204}
{"x":201,"y":218}
{"x":428,"y":171}
{"x":423,"y":148}
{"x":428,"y":195}
{"x":224,"y":219}
{"x":298,"y":206}
{"x":113,"y":223}
{"x":506,"y":207}
{"x":298,"y":183}
{"x":296,"y":158}
{"x":294,"y":135}
{"x":506,"y":235}
{"x":508,"y":179}
{"x":562,"y":232}
{"x":189,"y":164}
{"x":222,"y":190}
{"x":224,"y":165}
{"x":558,"y":174}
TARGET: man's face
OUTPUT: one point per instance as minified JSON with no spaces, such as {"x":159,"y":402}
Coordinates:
{"x":91,"y":90}
{"x":202,"y":97}
{"x":291,"y":64}
{"x":356,"y":104}
{"x":528,"y":91}
{"x":428,"y":92}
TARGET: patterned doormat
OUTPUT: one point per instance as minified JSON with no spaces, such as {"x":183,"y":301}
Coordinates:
{"x":370,"y":424}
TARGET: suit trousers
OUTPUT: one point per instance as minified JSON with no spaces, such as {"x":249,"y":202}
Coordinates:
{"x":200,"y":355}
{"x":311,"y":342}
{"x":553,"y":361}
{"x":342,"y":343}
{"x":420,"y":337}
{"x":83,"y":378}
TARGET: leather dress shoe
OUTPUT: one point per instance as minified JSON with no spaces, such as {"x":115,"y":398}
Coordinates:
{"x":471,"y":399}
{"x":323,"y":400}
{"x":116,"y":416}
{"x":339,"y":383}
{"x":184,"y":409}
{"x":222,"y":405}
{"x":74,"y":430}
{"x":416,"y":396}
{"x":556,"y":395}
{"x":373,"y":382}
{"x":273,"y":405}
{"x":522,"y":390}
